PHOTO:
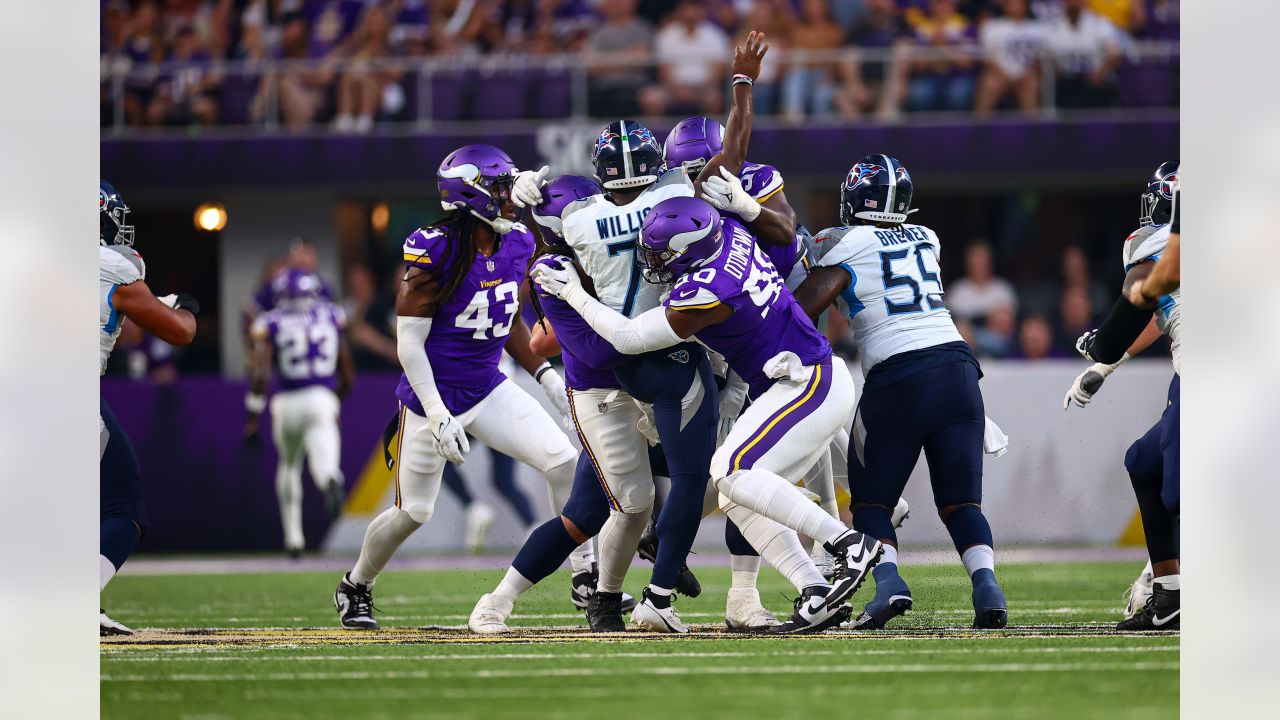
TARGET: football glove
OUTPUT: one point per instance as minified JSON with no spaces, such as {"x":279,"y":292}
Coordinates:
{"x":1089,"y":382}
{"x":448,"y":437}
{"x":182,"y":301}
{"x":726,"y":193}
{"x":731,"y":399}
{"x":557,"y":281}
{"x":527,"y":191}
{"x":553,"y":385}
{"x":1083,"y":344}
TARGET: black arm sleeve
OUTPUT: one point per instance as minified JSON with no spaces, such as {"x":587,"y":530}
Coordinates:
{"x":1174,"y":227}
{"x":1123,"y":325}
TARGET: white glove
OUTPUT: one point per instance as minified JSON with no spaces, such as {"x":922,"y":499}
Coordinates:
{"x":645,"y":424}
{"x":558,"y":281}
{"x":448,"y":437}
{"x":731,"y":399}
{"x":553,"y":385}
{"x":727,"y":194}
{"x":1089,"y":382}
{"x":527,"y":191}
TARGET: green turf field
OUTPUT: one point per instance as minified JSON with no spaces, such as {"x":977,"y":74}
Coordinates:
{"x":276,"y":653}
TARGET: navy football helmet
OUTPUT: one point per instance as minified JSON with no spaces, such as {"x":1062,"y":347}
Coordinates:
{"x":1157,"y":201}
{"x":112,"y":212}
{"x":626,"y":155}
{"x":877,"y":189}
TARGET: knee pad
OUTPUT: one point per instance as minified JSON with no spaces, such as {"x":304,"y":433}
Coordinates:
{"x":416,"y":512}
{"x":874,"y":520}
{"x":635,"y":497}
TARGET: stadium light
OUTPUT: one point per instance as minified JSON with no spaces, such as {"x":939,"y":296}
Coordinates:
{"x":211,"y":217}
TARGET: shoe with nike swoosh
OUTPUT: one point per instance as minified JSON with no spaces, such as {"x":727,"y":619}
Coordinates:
{"x":855,"y":554}
{"x":1162,"y":612}
{"x":813,"y":614}
{"x":355,"y":605}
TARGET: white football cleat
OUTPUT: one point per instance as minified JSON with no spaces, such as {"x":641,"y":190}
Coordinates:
{"x":479,"y":519}
{"x":107,"y":626}
{"x":900,"y":513}
{"x":743,"y":611}
{"x":1139,"y":592}
{"x":823,"y":560}
{"x":648,"y":616}
{"x":489,"y":617}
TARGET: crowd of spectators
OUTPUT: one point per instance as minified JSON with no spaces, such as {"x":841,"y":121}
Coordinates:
{"x":845,"y":58}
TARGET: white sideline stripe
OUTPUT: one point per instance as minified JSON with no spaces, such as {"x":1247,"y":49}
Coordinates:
{"x":596,"y":672}
{"x":271,"y":657}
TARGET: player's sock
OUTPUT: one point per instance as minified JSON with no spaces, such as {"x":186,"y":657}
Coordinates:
{"x":1158,"y":524}
{"x":778,"y":546}
{"x":504,"y":480}
{"x":457,"y":485}
{"x":289,"y":495}
{"x":770,"y":495}
{"x":677,"y":526}
{"x":545,"y":551}
{"x":889,"y":557}
{"x":968,"y":527}
{"x":978,"y":558}
{"x":1169,"y":582}
{"x":513,"y":584}
{"x":381,"y":540}
{"x":659,"y":596}
{"x":117,"y":537}
{"x":745,"y":570}
{"x":618,"y":541}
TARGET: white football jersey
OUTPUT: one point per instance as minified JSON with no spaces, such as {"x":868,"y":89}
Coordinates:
{"x":117,"y":265}
{"x":604,"y":237}
{"x":1148,"y":243}
{"x":894,"y":300}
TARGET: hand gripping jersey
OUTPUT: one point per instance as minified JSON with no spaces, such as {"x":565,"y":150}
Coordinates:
{"x":117,"y":265}
{"x":894,"y":298}
{"x":471,"y":327}
{"x":589,"y":359}
{"x":604,"y":237}
{"x":1148,"y":244}
{"x":766,"y":321}
{"x":304,"y":342}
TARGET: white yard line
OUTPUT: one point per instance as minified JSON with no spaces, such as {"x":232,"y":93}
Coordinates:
{"x":633,"y":671}
{"x":231,"y":656}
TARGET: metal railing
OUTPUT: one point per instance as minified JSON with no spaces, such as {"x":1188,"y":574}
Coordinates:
{"x":446,"y":94}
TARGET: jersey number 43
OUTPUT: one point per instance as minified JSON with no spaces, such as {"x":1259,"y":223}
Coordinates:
{"x":475,"y":316}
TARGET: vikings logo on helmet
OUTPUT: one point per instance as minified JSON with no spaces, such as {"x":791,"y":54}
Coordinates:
{"x":1169,"y":185}
{"x":603,"y":141}
{"x":860,"y":173}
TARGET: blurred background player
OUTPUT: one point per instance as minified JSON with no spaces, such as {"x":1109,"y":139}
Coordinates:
{"x":921,"y":390}
{"x":1153,"y":460}
{"x":123,"y":293}
{"x":458,"y":307}
{"x":479,"y":514}
{"x":303,"y":339}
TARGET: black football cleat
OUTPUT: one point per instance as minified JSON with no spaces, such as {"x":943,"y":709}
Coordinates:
{"x":355,"y":605}
{"x":335,"y":495}
{"x":1162,"y":612}
{"x":583,"y":585}
{"x":855,"y":555}
{"x":813,"y":614}
{"x":686,"y":582}
{"x":604,"y":612}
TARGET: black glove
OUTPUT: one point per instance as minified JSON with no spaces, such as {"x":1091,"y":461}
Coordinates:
{"x":188,"y":303}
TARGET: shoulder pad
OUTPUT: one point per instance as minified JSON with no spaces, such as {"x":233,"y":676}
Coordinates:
{"x":1144,"y":244}
{"x":696,"y":291}
{"x":760,"y":181}
{"x":121,"y":264}
{"x":835,"y":245}
{"x":422,"y":245}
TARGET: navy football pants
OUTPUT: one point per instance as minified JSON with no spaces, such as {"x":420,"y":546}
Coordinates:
{"x":119,"y":476}
{"x":938,"y":410}
{"x":1153,"y":460}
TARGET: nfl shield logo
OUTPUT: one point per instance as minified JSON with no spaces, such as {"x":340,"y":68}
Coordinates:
{"x":603,"y":407}
{"x":488,"y":265}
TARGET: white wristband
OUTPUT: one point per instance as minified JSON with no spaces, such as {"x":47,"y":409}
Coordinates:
{"x":255,"y":403}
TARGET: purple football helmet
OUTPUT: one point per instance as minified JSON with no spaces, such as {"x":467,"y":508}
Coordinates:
{"x":692,"y":143}
{"x":293,"y":288}
{"x":558,"y":194}
{"x":678,"y":236}
{"x":478,"y":178}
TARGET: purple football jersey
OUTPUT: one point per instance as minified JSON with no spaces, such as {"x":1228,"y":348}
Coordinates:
{"x":589,"y":359}
{"x":763,"y":182}
{"x":471,"y":327}
{"x":264,"y":296}
{"x":304,"y":343}
{"x":766,"y":318}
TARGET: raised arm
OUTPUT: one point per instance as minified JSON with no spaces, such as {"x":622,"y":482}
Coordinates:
{"x":737,"y":132}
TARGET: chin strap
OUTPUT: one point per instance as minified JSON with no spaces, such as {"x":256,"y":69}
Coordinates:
{"x":500,"y":225}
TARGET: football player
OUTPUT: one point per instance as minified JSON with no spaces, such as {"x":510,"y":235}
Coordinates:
{"x":921,"y":390}
{"x":1153,"y":460}
{"x":123,"y":293}
{"x":301,"y":337}
{"x":727,"y":295}
{"x":458,"y":307}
